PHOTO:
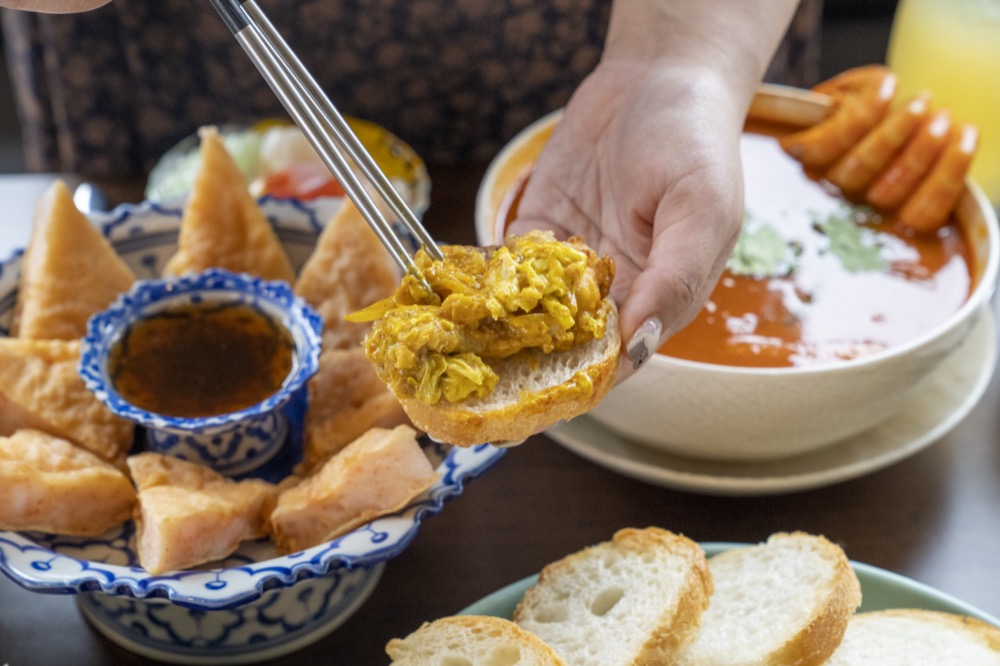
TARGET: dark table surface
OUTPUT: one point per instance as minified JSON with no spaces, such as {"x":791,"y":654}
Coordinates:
{"x":934,"y":517}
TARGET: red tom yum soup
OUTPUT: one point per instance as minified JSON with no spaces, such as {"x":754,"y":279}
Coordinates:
{"x":815,"y":278}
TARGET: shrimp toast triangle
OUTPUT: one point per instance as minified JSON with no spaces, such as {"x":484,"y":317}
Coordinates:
{"x":70,"y":271}
{"x":223,"y":227}
{"x":48,"y":484}
{"x":508,"y":340}
{"x":377,"y":473}
{"x":346,"y":398}
{"x":40,"y":377}
{"x":349,"y":269}
{"x":188,"y":514}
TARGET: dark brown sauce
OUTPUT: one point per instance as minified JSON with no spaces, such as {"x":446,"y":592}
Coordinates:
{"x":201,"y":360}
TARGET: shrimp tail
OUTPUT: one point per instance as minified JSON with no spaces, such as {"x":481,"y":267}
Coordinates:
{"x":863,"y":163}
{"x":928,"y":208}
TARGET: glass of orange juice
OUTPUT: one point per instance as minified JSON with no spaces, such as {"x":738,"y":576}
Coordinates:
{"x":952,"y":49}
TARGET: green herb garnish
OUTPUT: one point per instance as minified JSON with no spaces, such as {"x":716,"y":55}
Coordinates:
{"x":761,"y":252}
{"x":858,"y":247}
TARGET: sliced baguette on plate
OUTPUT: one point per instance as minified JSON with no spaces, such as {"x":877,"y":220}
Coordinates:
{"x":636,"y":599}
{"x":911,"y":637}
{"x":471,"y":639}
{"x":780,"y":603}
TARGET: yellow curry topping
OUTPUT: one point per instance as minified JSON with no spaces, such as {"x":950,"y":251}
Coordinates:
{"x":533,"y":292}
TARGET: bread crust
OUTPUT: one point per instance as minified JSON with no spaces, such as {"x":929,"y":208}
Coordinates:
{"x":501,"y":419}
{"x":806,"y":643}
{"x":816,"y":641}
{"x":477,"y":633}
{"x":913,"y":635}
{"x":676,"y":626}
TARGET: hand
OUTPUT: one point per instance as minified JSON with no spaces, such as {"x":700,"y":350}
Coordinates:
{"x":54,"y":6}
{"x":645,"y":166}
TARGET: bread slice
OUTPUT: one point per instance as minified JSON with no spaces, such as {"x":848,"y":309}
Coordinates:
{"x":49,"y":484}
{"x":40,"y":377}
{"x":222,"y":226}
{"x":535,"y":391}
{"x":189,"y":515}
{"x":471,"y":640}
{"x":636,"y":599}
{"x":908,"y":637}
{"x":70,"y":271}
{"x":779,"y":603}
{"x":377,"y":473}
{"x":348,"y":269}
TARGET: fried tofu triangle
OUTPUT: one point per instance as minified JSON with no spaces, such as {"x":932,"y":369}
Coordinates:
{"x":223,"y":227}
{"x":70,"y":272}
{"x":189,"y":515}
{"x":40,"y":377}
{"x":48,"y":484}
{"x":375,"y":474}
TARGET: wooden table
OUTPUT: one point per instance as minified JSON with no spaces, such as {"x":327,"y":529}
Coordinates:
{"x":934,"y":517}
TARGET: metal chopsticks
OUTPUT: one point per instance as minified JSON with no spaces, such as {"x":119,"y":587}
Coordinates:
{"x":324,"y":127}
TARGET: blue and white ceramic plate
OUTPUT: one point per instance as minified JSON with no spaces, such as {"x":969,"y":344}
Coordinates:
{"x":146,"y":236}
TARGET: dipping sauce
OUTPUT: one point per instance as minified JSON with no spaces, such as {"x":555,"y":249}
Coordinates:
{"x":814,"y":278}
{"x":201,"y":360}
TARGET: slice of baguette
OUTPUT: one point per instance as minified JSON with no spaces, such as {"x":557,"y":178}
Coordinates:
{"x":636,"y":599}
{"x":783,"y":602}
{"x":910,"y":637}
{"x":535,"y":391}
{"x":471,"y":639}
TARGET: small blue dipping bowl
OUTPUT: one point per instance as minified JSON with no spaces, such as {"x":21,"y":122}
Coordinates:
{"x":231,"y":443}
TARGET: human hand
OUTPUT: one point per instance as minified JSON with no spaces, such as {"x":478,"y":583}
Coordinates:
{"x":645,"y":166}
{"x":54,"y":6}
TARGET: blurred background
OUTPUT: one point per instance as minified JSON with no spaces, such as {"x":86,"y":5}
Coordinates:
{"x":854,"y":32}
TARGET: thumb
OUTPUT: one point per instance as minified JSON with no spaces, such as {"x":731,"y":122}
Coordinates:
{"x":678,"y":278}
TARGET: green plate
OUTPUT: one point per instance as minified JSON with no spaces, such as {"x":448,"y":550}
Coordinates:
{"x":880,"y":589}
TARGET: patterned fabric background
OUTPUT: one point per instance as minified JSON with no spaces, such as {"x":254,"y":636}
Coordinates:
{"x":104,"y":94}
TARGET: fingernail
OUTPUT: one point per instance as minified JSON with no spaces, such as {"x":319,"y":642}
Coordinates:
{"x":644,"y":341}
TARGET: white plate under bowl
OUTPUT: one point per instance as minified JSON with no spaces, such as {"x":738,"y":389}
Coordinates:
{"x":880,"y":590}
{"x":934,"y":408}
{"x":257,"y":603}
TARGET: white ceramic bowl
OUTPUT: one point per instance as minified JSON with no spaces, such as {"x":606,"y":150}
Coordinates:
{"x":730,"y":413}
{"x":257,"y":604}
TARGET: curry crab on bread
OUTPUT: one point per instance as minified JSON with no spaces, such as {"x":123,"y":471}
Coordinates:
{"x":496,"y":344}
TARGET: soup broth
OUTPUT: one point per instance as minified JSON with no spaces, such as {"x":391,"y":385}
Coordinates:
{"x":815,"y":278}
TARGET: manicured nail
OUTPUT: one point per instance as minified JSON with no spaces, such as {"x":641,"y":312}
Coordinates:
{"x":644,"y":341}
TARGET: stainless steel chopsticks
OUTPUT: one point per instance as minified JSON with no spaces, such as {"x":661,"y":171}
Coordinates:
{"x":324,"y":127}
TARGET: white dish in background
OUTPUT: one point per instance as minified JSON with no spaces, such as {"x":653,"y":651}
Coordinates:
{"x":694,"y":409}
{"x":933,"y":409}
